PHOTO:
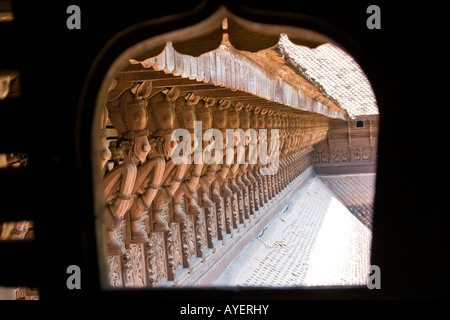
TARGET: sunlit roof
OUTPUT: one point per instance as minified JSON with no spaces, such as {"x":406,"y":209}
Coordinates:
{"x":336,"y":71}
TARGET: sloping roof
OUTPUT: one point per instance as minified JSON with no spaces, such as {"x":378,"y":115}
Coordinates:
{"x":356,"y":192}
{"x":316,"y":241}
{"x":324,"y":80}
{"x":334,"y":70}
{"x":260,"y":75}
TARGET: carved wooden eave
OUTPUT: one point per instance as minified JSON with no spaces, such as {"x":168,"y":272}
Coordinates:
{"x":261,"y":79}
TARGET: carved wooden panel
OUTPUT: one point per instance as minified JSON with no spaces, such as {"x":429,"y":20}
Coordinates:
{"x":235,"y":210}
{"x":133,"y":267}
{"x":219,"y":209}
{"x":211,"y":227}
{"x":265,"y":188}
{"x":256,"y":200}
{"x":245,"y":199}
{"x":251,"y":200}
{"x":272,"y":189}
{"x":228,"y":214}
{"x":361,"y":153}
{"x":200,"y":233}
{"x":274,"y":184}
{"x":262,"y":194}
{"x":188,"y":244}
{"x":240,"y":202}
{"x":340,"y":155}
{"x":347,"y":145}
{"x":173,"y":249}
{"x":115,"y":271}
{"x":155,"y":258}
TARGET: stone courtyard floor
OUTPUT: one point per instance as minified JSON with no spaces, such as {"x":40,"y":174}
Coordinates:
{"x":317,"y":240}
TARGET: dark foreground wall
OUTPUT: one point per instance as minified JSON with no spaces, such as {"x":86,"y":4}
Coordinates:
{"x":403,"y":61}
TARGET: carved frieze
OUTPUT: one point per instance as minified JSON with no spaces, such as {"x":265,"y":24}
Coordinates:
{"x":343,"y":155}
{"x":155,"y":258}
{"x":115,"y":272}
{"x":188,"y":241}
{"x":235,"y":210}
{"x":174,"y":251}
{"x":219,"y":209}
{"x":340,"y":155}
{"x":361,"y":153}
{"x":200,"y":234}
{"x":211,"y":226}
{"x":133,"y":269}
{"x":228,"y":215}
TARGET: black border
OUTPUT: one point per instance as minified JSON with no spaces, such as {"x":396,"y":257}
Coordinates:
{"x":403,"y":61}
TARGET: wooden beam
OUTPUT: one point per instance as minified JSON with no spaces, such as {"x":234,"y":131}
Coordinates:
{"x":223,"y":93}
{"x":249,"y":98}
{"x":146,"y":75}
{"x":176,"y":81}
{"x":196,"y":87}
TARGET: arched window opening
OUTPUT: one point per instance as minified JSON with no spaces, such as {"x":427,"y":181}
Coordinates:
{"x":294,"y":207}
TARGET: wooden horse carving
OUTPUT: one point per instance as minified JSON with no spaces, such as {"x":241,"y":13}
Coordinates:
{"x":126,"y":107}
{"x":220,"y":122}
{"x":117,"y":185}
{"x":163,"y":121}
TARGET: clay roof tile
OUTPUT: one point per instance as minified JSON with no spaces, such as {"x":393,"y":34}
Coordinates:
{"x":336,"y":72}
